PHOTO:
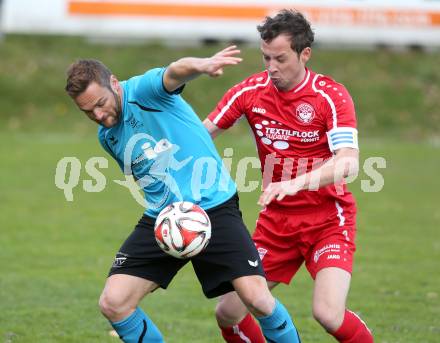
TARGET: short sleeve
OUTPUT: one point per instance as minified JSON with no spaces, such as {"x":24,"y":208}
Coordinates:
{"x":229,"y":109}
{"x":340,"y":116}
{"x":151,"y":84}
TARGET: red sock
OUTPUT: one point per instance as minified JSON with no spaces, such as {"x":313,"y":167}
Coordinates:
{"x":353,"y":330}
{"x":246,"y":331}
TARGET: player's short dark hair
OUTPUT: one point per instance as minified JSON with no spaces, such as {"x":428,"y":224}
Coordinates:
{"x":291,"y":23}
{"x":83,"y":72}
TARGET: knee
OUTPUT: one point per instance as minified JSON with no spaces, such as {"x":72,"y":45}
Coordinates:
{"x":255,"y":295}
{"x":330,"y":316}
{"x":226,"y":316}
{"x":112,"y":307}
{"x":260,"y":305}
{"x":230,"y":311}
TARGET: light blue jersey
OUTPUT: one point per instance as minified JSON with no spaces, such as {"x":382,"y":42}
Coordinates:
{"x":164,"y":145}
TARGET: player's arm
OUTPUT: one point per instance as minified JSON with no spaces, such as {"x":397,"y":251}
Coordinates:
{"x":188,"y":68}
{"x":343,"y":164}
{"x":213,"y":129}
{"x":232,"y":106}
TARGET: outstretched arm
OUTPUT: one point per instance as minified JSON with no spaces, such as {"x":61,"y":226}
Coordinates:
{"x":188,"y":68}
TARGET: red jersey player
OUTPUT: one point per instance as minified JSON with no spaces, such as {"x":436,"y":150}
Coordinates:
{"x":305,"y":130}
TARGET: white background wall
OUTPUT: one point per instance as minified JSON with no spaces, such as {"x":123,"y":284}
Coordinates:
{"x":354,"y":22}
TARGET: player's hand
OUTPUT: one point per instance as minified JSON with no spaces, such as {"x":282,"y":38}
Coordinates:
{"x":277,"y":190}
{"x":213,"y":66}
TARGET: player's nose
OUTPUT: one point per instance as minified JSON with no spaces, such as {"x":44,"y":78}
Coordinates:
{"x":271,"y":68}
{"x":98,"y":114}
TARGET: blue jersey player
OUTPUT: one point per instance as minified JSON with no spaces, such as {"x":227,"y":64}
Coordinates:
{"x":156,"y":137}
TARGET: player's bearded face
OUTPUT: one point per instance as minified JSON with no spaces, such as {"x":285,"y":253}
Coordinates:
{"x":286,"y":69}
{"x":101,"y":104}
{"x":118,"y":105}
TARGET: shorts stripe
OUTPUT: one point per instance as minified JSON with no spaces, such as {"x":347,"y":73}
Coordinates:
{"x":340,"y":214}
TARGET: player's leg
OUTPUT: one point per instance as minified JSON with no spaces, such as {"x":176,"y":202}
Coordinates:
{"x":329,"y":299}
{"x":230,"y":310}
{"x":119,"y":304}
{"x":275,"y":321}
{"x":139,"y":268}
{"x":230,"y":262}
{"x":330,"y":263}
{"x":236,"y":323}
{"x":280,"y":259}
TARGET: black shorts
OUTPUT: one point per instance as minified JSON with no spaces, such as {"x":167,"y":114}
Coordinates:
{"x":230,"y":253}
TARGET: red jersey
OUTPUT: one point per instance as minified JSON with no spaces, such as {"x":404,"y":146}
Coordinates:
{"x":294,"y":130}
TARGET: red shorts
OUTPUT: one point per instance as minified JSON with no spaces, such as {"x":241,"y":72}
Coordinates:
{"x":323,"y":237}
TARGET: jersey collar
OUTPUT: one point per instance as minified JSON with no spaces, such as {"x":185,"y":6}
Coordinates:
{"x":303,"y":83}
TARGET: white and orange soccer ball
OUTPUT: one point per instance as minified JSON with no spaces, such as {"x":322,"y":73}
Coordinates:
{"x":182,"y":229}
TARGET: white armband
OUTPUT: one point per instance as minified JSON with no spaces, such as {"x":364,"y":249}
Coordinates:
{"x":342,"y":137}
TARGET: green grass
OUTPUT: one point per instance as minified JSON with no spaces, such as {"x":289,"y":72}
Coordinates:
{"x":55,"y":254}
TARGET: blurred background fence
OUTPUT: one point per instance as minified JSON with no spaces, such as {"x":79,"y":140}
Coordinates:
{"x":342,"y":22}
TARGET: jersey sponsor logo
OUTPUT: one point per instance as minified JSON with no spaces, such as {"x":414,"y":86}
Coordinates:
{"x":284,"y":134}
{"x":258,"y":110}
{"x":134,"y":123}
{"x":279,"y":137}
{"x":305,"y":113}
{"x":333,"y":248}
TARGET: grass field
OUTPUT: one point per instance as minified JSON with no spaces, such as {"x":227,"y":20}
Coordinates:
{"x":55,"y":254}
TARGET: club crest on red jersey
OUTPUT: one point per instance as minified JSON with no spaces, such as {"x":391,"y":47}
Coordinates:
{"x":305,"y":113}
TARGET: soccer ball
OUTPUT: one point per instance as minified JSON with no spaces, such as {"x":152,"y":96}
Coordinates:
{"x":182,"y":229}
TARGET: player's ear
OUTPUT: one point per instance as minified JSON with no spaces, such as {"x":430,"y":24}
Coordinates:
{"x":306,"y":54}
{"x":114,"y":83}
